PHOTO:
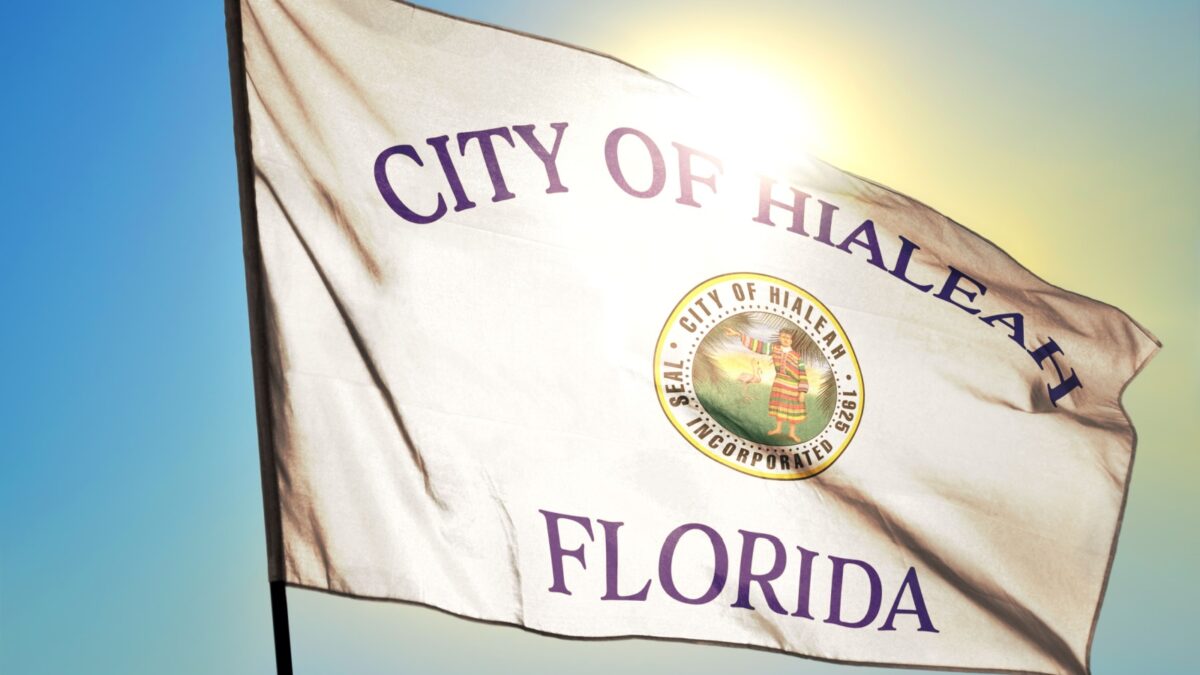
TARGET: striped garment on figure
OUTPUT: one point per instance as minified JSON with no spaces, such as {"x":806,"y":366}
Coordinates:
{"x":791,"y":380}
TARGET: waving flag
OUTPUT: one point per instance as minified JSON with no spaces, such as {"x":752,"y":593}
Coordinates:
{"x":535,"y":343}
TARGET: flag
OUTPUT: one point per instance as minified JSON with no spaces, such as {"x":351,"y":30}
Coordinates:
{"x":537,"y":341}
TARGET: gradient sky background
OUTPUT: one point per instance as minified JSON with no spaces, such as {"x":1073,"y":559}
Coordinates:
{"x":131,"y":536}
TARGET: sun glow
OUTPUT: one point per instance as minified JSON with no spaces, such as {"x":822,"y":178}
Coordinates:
{"x":760,"y":117}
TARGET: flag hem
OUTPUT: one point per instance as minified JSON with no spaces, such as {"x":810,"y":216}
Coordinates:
{"x":658,"y":638}
{"x":1112,"y":553}
{"x":255,"y":292}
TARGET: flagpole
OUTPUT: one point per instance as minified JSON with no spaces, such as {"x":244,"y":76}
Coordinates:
{"x":256,"y":302}
{"x":283,"y":637}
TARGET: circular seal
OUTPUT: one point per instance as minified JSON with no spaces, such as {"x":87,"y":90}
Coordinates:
{"x":757,"y":374}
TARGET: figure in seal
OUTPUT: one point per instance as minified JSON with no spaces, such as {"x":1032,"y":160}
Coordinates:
{"x":786,"y":404}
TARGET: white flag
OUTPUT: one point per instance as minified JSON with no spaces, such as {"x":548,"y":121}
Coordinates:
{"x":535,"y":344}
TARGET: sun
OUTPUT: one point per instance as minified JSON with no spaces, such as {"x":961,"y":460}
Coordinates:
{"x":760,"y":117}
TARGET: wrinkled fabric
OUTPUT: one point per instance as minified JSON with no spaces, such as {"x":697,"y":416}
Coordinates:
{"x":430,"y":388}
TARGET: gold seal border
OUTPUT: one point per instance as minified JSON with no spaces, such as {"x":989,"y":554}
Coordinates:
{"x":662,"y":399}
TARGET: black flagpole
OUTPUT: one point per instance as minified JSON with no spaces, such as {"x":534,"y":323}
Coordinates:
{"x":283,"y":637}
{"x":255,"y":303}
